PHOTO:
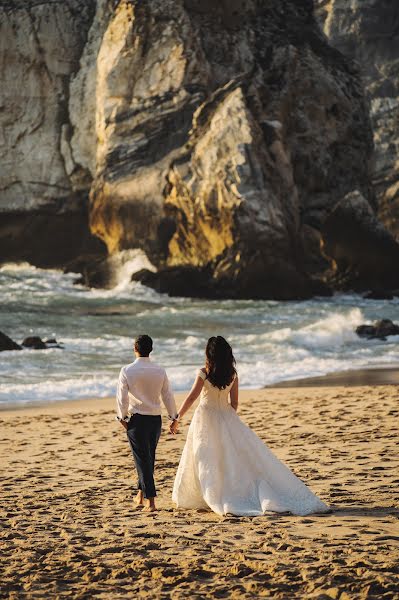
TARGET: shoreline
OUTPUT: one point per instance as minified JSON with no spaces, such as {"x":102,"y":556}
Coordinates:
{"x":373,"y":376}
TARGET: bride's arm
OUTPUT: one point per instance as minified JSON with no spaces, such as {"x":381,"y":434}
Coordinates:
{"x":189,"y":401}
{"x":234,"y":394}
{"x":193,"y":395}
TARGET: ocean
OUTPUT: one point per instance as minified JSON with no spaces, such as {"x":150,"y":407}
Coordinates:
{"x":272,"y":341}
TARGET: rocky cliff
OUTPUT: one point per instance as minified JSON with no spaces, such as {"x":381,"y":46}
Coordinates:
{"x":216,"y":136}
{"x":43,"y":204}
{"x":225,"y":131}
{"x":368,"y":32}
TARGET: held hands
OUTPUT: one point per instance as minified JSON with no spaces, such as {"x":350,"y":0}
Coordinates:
{"x":173,"y":427}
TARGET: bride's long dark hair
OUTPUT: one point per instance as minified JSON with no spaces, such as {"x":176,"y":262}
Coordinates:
{"x":220,"y":362}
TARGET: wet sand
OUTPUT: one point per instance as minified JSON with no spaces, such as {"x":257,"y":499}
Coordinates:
{"x":352,"y":377}
{"x":69,"y":527}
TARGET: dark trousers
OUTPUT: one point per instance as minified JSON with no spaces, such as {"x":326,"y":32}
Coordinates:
{"x":143,"y":433}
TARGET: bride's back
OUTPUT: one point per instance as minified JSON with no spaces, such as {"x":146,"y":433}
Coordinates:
{"x":213,"y":395}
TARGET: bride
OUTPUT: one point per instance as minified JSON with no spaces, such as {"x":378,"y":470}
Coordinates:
{"x":224,"y":465}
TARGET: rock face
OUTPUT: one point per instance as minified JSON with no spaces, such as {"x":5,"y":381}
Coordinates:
{"x":368,"y":31}
{"x":225,"y":134}
{"x":364,"y":252}
{"x":43,"y":194}
{"x":215,"y":136}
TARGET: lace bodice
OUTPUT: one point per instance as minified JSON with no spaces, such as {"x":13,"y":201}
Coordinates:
{"x":212,"y":395}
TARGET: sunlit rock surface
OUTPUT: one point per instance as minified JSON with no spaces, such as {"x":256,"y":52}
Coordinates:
{"x":214,"y":136}
{"x":225,"y":134}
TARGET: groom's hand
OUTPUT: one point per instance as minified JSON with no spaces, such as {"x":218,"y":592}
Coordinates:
{"x":124,"y":424}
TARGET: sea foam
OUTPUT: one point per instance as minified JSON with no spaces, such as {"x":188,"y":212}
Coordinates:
{"x":272,"y":341}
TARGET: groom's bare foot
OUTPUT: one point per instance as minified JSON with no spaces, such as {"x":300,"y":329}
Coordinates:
{"x":139,"y":499}
{"x":149,"y":505}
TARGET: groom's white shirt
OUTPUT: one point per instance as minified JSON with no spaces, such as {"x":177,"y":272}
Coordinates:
{"x":141,"y":385}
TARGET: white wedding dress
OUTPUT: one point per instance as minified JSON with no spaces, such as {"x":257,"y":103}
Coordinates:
{"x":226,"y":467}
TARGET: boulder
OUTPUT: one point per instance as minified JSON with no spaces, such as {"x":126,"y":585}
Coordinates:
{"x":381,"y":330}
{"x":52,"y":343}
{"x":366,"y":331}
{"x":386,"y":327}
{"x":6,"y":343}
{"x":34,"y":342}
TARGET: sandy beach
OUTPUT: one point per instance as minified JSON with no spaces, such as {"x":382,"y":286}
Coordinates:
{"x":69,"y":527}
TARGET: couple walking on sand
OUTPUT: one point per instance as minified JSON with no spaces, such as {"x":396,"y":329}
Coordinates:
{"x":224,"y":466}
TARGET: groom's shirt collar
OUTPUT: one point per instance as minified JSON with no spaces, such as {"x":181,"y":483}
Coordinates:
{"x":142,"y":359}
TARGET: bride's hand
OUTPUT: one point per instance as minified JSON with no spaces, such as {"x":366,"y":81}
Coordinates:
{"x":174,"y":426}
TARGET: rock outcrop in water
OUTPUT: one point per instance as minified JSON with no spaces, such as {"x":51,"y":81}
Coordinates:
{"x":380,"y":330}
{"x":6,"y":343}
{"x":34,"y":342}
{"x":216,"y":136}
{"x":31,"y":342}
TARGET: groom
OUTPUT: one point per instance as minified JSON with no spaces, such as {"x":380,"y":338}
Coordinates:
{"x":141,"y":385}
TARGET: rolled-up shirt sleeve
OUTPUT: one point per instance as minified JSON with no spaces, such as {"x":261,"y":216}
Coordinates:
{"x":122,"y":395}
{"x":168,"y":398}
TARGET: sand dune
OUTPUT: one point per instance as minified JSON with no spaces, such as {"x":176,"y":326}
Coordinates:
{"x":69,"y":527}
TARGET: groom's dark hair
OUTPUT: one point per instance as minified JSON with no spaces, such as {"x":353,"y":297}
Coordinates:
{"x":143,"y":345}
